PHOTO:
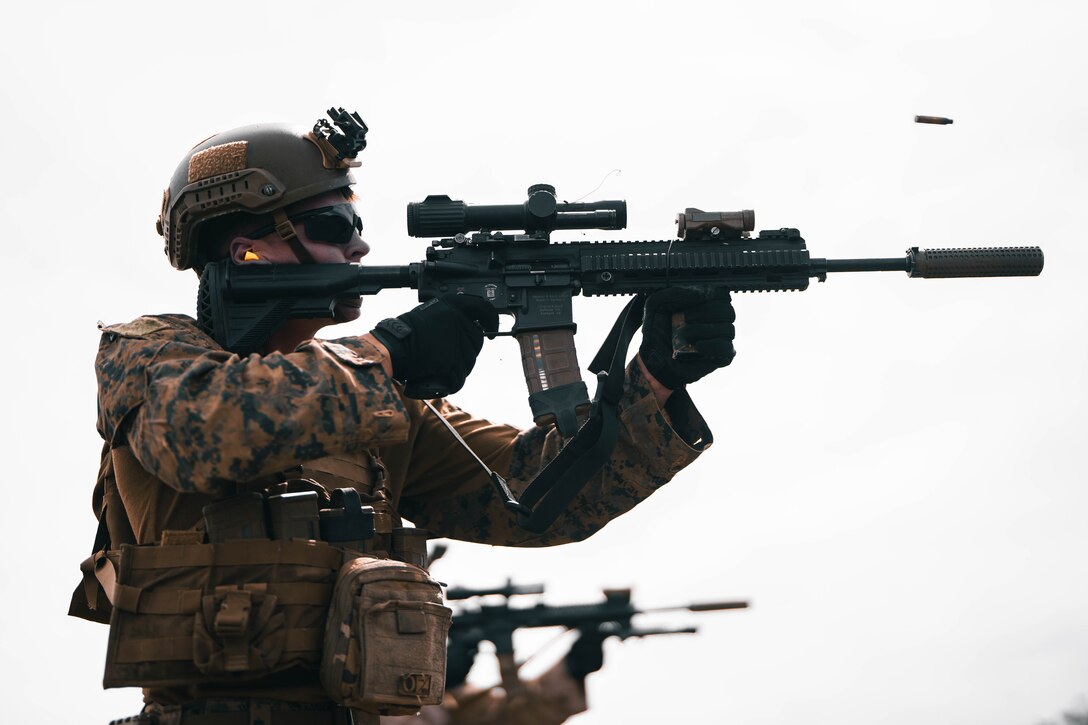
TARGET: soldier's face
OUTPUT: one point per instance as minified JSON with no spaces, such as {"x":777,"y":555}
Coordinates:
{"x":272,"y":249}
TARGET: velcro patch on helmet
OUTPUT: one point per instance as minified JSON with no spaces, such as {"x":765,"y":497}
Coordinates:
{"x":221,"y":159}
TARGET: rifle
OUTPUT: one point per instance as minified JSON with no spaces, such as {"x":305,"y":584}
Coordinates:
{"x":496,"y":623}
{"x":528,"y":276}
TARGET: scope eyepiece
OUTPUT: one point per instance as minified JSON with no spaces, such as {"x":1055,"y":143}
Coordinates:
{"x":438,"y":215}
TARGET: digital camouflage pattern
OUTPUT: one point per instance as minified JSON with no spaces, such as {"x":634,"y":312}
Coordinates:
{"x":187,"y":422}
{"x":201,"y":420}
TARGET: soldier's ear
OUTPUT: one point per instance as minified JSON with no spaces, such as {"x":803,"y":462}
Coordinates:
{"x":244,"y":251}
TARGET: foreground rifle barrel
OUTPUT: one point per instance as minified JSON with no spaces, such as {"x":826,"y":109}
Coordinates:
{"x":958,"y":262}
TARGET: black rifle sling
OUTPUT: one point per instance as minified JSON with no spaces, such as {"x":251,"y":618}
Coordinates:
{"x":549,"y":494}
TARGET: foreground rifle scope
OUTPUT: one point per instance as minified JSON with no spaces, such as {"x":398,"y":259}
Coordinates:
{"x":438,"y":215}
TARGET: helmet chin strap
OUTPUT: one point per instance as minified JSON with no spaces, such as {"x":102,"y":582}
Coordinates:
{"x":286,"y":229}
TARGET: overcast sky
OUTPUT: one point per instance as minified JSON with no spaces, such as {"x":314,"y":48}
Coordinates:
{"x":897,"y":480}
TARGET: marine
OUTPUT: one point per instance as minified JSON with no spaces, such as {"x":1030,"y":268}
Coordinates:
{"x":191,"y":429}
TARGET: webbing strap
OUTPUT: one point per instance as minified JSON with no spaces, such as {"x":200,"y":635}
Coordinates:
{"x":187,"y":601}
{"x":234,"y":553}
{"x":551,"y":491}
{"x":171,"y":601}
{"x":90,"y":584}
{"x":301,"y":593}
{"x":105,"y":572}
{"x":180,"y":649}
{"x":221,"y":711}
{"x":157,"y":649}
{"x":286,"y":229}
{"x":547,"y":496}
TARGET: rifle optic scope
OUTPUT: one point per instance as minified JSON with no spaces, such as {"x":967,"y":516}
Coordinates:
{"x":438,"y":215}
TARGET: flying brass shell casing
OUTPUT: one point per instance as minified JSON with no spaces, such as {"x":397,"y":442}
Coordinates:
{"x":938,"y":120}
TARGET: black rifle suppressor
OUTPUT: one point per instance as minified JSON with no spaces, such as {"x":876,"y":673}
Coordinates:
{"x":528,"y":276}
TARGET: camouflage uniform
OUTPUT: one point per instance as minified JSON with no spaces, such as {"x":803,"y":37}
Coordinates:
{"x":186,"y":422}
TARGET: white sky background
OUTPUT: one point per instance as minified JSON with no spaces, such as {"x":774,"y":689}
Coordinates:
{"x":897,"y":478}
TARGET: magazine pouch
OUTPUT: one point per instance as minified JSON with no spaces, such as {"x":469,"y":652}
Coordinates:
{"x":217,"y":613}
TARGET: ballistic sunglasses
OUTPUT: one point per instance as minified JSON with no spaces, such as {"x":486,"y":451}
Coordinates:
{"x":326,"y":225}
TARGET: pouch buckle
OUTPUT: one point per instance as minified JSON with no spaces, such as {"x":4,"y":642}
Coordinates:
{"x":232,"y":619}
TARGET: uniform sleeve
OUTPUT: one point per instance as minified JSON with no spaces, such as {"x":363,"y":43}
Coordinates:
{"x":199,"y":417}
{"x":447,"y":493}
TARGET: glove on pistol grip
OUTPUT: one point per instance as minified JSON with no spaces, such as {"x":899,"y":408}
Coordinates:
{"x":436,"y":385}
{"x":433,"y":347}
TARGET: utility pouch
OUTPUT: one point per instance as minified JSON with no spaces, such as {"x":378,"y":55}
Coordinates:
{"x":385,"y":639}
{"x":238,"y":517}
{"x":218,"y":613}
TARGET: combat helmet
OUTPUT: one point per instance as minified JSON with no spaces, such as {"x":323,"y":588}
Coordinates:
{"x":255,"y":169}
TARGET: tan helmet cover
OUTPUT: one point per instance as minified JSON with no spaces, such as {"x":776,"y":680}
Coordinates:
{"x":254,"y":169}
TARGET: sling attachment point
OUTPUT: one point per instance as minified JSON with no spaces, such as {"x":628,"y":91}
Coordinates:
{"x":498,"y":481}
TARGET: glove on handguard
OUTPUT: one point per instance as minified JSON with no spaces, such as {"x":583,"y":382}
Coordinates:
{"x":433,"y":347}
{"x":707,"y":327}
